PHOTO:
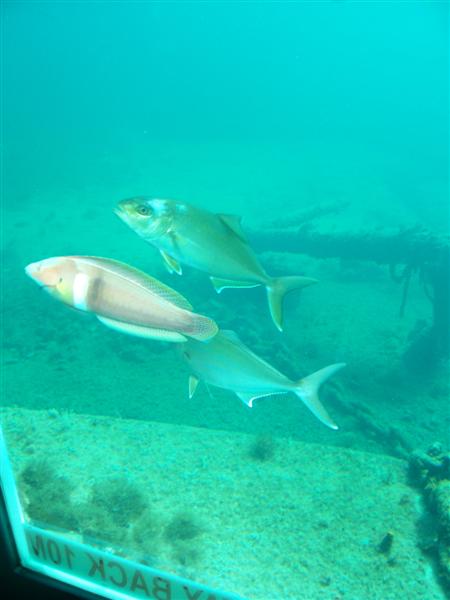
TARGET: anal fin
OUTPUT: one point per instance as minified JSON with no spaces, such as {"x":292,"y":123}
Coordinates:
{"x":248,"y":397}
{"x":142,"y":331}
{"x":220,"y":284}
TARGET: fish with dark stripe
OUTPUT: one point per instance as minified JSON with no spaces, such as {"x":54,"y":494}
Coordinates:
{"x":121,"y":297}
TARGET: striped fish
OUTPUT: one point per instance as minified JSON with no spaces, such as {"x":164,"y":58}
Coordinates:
{"x":121,"y":297}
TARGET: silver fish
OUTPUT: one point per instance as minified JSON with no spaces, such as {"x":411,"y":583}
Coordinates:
{"x":121,"y":297}
{"x":214,"y":243}
{"x":227,"y":363}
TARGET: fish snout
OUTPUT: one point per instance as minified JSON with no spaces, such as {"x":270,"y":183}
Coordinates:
{"x":124,"y":208}
{"x":34,"y":272}
{"x":135,"y":211}
{"x":32,"y":269}
{"x":45,"y":272}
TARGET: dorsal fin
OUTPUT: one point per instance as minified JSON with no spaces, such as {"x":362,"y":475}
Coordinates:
{"x":234,"y":223}
{"x":232,"y":336}
{"x":138,"y":277}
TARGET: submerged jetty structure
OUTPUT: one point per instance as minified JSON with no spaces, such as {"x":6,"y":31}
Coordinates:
{"x":406,"y":252}
{"x":430,"y":472}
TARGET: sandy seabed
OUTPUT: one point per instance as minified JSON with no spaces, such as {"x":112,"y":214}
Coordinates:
{"x":266,"y":518}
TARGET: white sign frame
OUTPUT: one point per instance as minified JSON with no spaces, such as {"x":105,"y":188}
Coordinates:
{"x":56,"y":556}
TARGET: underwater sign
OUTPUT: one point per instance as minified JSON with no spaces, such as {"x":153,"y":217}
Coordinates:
{"x":107,"y":574}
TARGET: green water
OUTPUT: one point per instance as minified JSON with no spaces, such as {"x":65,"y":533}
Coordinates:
{"x":333,"y":114}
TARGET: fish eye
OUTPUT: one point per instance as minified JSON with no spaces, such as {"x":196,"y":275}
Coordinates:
{"x":144,"y":210}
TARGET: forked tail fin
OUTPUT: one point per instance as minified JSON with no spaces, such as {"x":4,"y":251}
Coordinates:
{"x":278,"y":288}
{"x":307,"y":390}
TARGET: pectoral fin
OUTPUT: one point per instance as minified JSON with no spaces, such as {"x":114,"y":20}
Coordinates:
{"x":220,"y":284}
{"x":193,"y":383}
{"x":141,"y":331}
{"x":172,"y":265}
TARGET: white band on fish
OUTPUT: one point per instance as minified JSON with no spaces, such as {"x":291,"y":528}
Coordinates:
{"x":80,"y":291}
